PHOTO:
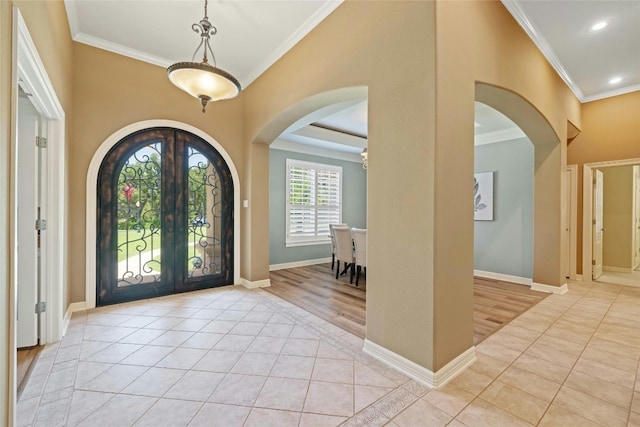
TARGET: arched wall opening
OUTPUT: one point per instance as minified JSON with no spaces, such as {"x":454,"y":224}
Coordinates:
{"x":548,"y":252}
{"x":305,"y":109}
{"x":299,"y":115}
{"x":421,"y":159}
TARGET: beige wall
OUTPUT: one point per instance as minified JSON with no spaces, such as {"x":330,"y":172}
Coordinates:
{"x":617,"y":216}
{"x":47,"y":23}
{"x":420,"y":62}
{"x":610,"y":131}
{"x":389,"y":47}
{"x":421,"y":94}
{"x":478,"y":41}
{"x":112,"y":91}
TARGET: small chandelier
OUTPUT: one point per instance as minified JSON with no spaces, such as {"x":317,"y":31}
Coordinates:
{"x":200,"y":79}
{"x":365,"y":158}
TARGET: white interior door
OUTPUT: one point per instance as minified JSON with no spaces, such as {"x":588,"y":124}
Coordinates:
{"x":27,"y":196}
{"x":636,"y":217}
{"x":598,"y":229}
{"x":566,"y":223}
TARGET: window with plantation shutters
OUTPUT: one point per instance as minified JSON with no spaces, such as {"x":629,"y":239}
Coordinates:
{"x":314,"y":200}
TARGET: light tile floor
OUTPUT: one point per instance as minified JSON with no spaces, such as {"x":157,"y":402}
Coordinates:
{"x":238,"y":357}
{"x":631,"y":278}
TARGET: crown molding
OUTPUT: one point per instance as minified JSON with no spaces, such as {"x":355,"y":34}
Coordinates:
{"x":291,"y":41}
{"x":121,"y":50}
{"x":296,"y":147}
{"x":72,"y":17}
{"x":80,"y":37}
{"x":325,"y":134}
{"x":246,"y":80}
{"x":614,"y":92}
{"x":519,"y":15}
{"x":499,"y":136}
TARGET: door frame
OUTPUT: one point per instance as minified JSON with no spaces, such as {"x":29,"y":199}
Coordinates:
{"x":597,"y":225}
{"x":92,"y":198}
{"x":587,"y":210}
{"x":572,"y":190}
{"x":28,"y":67}
{"x":635,"y":244}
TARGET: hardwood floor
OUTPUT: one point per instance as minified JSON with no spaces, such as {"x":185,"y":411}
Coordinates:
{"x":496,"y":303}
{"x":315,"y":289}
{"x":25,"y":360}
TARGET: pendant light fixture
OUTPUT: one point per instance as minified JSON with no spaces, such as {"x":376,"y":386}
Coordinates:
{"x":200,"y":79}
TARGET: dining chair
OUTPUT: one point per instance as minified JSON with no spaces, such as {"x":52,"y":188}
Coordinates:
{"x":360,"y":248}
{"x":344,"y":249}
{"x":333,"y":242}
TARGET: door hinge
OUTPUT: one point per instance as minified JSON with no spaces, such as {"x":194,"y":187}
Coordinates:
{"x":41,"y":307}
{"x":594,"y":222}
{"x":593,"y":262}
{"x":41,"y":224}
{"x":41,"y":142}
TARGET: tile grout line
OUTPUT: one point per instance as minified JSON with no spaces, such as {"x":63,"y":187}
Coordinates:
{"x":341,"y":343}
{"x":244,"y":352}
{"x":157,"y":399}
{"x":511,"y":364}
{"x":581,"y":352}
{"x":633,"y":390}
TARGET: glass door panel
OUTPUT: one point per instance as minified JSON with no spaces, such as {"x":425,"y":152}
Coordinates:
{"x":203,"y":225}
{"x":139,"y":189}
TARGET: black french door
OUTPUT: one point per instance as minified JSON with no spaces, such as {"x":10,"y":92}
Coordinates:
{"x":164,"y":218}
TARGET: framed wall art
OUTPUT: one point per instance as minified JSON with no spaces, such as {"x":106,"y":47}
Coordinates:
{"x":483,"y":196}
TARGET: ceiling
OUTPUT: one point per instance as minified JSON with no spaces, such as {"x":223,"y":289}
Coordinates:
{"x":159,"y":32}
{"x":252,"y":34}
{"x":585,"y":58}
{"x":493,"y":126}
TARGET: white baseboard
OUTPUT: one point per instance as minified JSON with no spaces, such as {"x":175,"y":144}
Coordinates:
{"x":73,"y":307}
{"x":274,"y":267}
{"x":579,"y":278}
{"x":550,"y":289}
{"x":617,"y":269}
{"x":504,"y":277}
{"x":257,"y":284}
{"x":419,"y":373}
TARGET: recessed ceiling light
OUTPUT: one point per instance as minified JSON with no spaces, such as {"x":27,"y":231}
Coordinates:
{"x":599,"y":25}
{"x":615,"y":80}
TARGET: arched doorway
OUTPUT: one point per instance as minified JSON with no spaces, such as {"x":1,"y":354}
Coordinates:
{"x":548,"y":244}
{"x":165,"y":217}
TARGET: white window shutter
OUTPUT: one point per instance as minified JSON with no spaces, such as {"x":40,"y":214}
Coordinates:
{"x":314,"y":200}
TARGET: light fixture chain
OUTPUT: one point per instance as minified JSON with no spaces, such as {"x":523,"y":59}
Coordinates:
{"x":201,"y":80}
{"x":206,"y":30}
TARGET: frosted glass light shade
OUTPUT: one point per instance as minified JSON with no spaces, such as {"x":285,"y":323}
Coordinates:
{"x":203,"y":81}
